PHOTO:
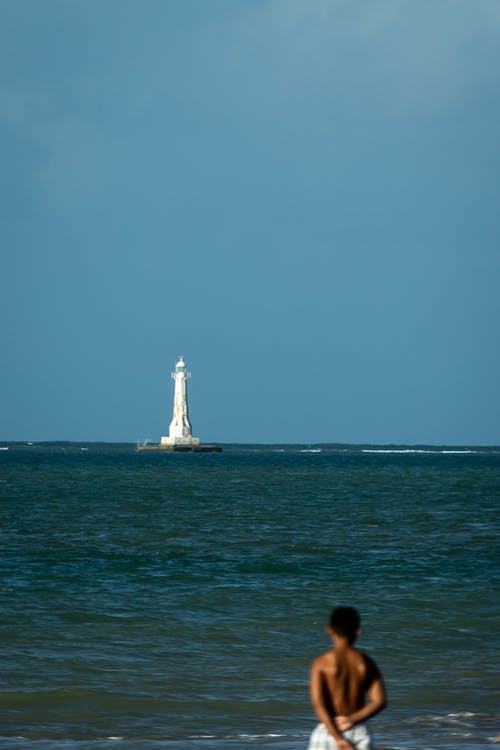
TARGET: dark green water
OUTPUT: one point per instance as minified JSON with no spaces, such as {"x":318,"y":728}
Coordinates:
{"x":177,"y":600}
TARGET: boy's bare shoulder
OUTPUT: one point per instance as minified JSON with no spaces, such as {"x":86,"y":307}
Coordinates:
{"x":325,"y":661}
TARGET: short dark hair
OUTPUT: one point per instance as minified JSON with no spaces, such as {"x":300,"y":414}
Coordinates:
{"x":345,"y":621}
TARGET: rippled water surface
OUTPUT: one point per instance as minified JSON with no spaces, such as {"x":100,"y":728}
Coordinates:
{"x":177,"y":600}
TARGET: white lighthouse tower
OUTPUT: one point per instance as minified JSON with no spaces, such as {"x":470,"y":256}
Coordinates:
{"x":180,"y":430}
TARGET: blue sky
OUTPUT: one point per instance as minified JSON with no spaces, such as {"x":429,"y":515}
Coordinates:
{"x":299,"y":196}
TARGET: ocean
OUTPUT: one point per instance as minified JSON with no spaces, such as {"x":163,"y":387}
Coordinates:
{"x":175,"y":601}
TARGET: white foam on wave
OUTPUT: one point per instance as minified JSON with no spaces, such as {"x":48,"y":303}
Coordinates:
{"x":452,"y":718}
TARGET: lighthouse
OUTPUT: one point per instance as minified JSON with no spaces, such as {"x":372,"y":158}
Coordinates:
{"x":179,"y":433}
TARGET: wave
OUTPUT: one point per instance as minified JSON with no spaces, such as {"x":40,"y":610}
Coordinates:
{"x":415,"y":450}
{"x":211,"y":739}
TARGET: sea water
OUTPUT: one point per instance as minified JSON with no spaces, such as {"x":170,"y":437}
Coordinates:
{"x":173,"y":600}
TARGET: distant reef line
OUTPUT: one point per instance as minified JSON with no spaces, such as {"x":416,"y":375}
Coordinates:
{"x":336,"y":447}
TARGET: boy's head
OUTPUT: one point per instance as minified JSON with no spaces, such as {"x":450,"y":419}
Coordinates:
{"x":345,"y":621}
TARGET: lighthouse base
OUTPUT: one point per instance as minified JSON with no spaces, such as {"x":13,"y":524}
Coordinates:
{"x":189,"y":441}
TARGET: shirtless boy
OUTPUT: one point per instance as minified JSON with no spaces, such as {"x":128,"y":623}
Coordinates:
{"x":346,"y":688}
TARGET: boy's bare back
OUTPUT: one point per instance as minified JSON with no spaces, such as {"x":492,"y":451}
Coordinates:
{"x":346,"y":676}
{"x":346,"y":685}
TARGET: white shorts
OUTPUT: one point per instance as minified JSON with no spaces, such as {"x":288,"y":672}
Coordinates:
{"x":357,"y":736}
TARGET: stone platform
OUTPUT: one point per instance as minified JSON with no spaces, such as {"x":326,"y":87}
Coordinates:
{"x":162,"y":448}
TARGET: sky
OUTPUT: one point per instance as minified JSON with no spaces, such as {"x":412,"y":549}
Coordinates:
{"x":301,"y":197}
